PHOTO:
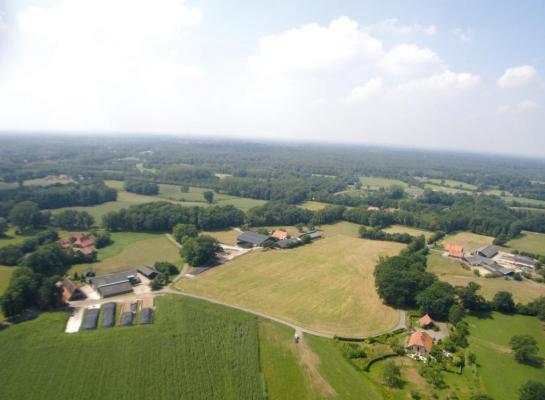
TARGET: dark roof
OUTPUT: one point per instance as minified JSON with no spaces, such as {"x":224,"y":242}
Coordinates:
{"x":253,"y":238}
{"x":112,"y":279}
{"x":476,"y":259}
{"x":90,"y":318}
{"x":287,"y":243}
{"x":69,"y":285}
{"x":115,"y":289}
{"x":108,"y":312}
{"x":497,"y":269}
{"x":147,"y":271}
{"x":146,"y":316}
{"x":126,"y":319}
{"x":312,"y":234}
{"x":487,"y":251}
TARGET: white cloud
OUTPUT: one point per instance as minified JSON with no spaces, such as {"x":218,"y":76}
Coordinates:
{"x":371,"y":88}
{"x":517,"y":77}
{"x":392,"y":25}
{"x":522,"y":106}
{"x":315,"y":48}
{"x":445,"y":82}
{"x":3,"y":22}
{"x":406,"y":59}
{"x":463,"y":35}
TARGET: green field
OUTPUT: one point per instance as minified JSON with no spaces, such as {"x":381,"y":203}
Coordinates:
{"x":194,"y":350}
{"x":446,"y":189}
{"x":470,"y":241}
{"x":489,"y":340}
{"x":409,"y":230}
{"x":327,"y":285}
{"x":10,"y":237}
{"x":5,"y":275}
{"x":530,"y":242}
{"x":451,"y":271}
{"x":131,"y":250}
{"x":377,"y":182}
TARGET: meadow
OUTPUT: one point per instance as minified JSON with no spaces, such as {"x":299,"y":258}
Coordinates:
{"x":327,"y":285}
{"x":377,"y":182}
{"x":451,"y":271}
{"x":501,"y":375}
{"x":409,"y":230}
{"x":451,"y":183}
{"x":313,"y":205}
{"x":130,"y":250}
{"x":193,"y":350}
{"x":530,"y":242}
{"x":228,"y":236}
{"x":468,"y":240}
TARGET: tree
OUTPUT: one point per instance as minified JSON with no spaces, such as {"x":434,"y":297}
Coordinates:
{"x":166,"y":268}
{"x":181,"y":231}
{"x":3,"y":226}
{"x":436,"y":300}
{"x":103,"y":239}
{"x":200,"y":250}
{"x":72,"y":219}
{"x":48,"y":260}
{"x":208,"y":196}
{"x":526,"y":349}
{"x":26,"y":216}
{"x":469,"y":298}
{"x":532,"y":390}
{"x":503,"y":302}
{"x":391,"y":375}
{"x":50,"y":294}
{"x":455,"y":314}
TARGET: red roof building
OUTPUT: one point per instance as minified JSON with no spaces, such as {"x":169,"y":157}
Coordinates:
{"x":425,"y":321}
{"x":79,"y":241}
{"x":454,"y":250}
{"x":280,"y":234}
{"x":420,"y":342}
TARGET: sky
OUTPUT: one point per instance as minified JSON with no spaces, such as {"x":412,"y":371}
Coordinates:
{"x":458,"y":75}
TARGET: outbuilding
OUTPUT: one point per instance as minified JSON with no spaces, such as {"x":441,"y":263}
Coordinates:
{"x":252,"y":239}
{"x":487,"y":251}
{"x":71,"y":292}
{"x":148,"y":272}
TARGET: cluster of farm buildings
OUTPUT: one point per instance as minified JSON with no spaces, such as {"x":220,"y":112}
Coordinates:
{"x":278,"y":238}
{"x":81,"y":242}
{"x":492,"y":261}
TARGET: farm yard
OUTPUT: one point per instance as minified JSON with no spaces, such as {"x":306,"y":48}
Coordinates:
{"x":326,"y":286}
{"x":529,"y":242}
{"x":451,"y":271}
{"x":193,"y":350}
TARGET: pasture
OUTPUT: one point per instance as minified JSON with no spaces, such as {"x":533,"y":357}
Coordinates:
{"x":373,"y":182}
{"x":451,"y":271}
{"x":194,"y":350}
{"x":326,"y":286}
{"x":409,"y":230}
{"x":530,"y":242}
{"x":470,"y":241}
{"x":489,"y":338}
{"x":131,"y":250}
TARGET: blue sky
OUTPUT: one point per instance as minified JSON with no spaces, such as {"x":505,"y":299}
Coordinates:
{"x":450,"y":74}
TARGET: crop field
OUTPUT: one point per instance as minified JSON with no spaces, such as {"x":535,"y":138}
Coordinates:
{"x":470,"y":241}
{"x":530,"y":242}
{"x":489,"y":340}
{"x":326,"y":286}
{"x":194,"y":350}
{"x":409,"y":230}
{"x":132,"y":249}
{"x":451,"y":271}
{"x":313,"y":205}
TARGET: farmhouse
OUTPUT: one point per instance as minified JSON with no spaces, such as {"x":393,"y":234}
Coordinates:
{"x":70,"y":291}
{"x":280,"y":234}
{"x":420,"y":342}
{"x":425,"y":321}
{"x":79,"y":241}
{"x":252,"y":239}
{"x":114,"y":284}
{"x":486,"y":251}
{"x":454,"y":250}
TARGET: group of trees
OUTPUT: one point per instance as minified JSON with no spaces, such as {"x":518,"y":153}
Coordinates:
{"x":379,"y":234}
{"x":141,"y":187}
{"x":73,"y":220}
{"x":26,"y":216}
{"x":200,"y":250}
{"x":12,"y":254}
{"x":163,"y":216}
{"x":165,"y":271}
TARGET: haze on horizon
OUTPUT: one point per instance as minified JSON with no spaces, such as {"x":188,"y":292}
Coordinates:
{"x":456,"y":75}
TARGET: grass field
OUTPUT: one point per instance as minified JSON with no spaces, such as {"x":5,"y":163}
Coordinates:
{"x":313,"y":205}
{"x":470,"y":241}
{"x":194,"y":350}
{"x":489,"y":340}
{"x":530,"y":242}
{"x":10,"y":237}
{"x":5,"y":275}
{"x":377,"y":182}
{"x":327,"y":285}
{"x":452,"y":272}
{"x":452,"y":183}
{"x":45,"y":182}
{"x":226,"y":237}
{"x":446,"y":189}
{"x":409,"y":230}
{"x":131,"y":250}
{"x":341,"y":228}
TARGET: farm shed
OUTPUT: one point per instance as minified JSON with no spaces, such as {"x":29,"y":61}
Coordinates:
{"x":148,"y":272}
{"x":146,"y":316}
{"x":252,"y":239}
{"x":313,"y":235}
{"x":108,"y":312}
{"x":115,"y":289}
{"x":70,"y":291}
{"x":114,"y":284}
{"x":90,"y":318}
{"x":287,"y":243}
{"x":487,"y":251}
{"x":488,"y":264}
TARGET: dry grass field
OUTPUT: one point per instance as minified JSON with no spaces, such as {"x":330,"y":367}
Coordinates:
{"x":530,"y":242}
{"x":225,"y":237}
{"x":451,"y":271}
{"x":470,"y":241}
{"x":327,"y":285}
{"x":409,"y":230}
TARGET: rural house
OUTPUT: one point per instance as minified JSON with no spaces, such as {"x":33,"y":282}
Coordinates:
{"x":280,"y":234}
{"x":252,"y":239}
{"x":425,"y":321}
{"x":454,"y":250}
{"x":420,"y":342}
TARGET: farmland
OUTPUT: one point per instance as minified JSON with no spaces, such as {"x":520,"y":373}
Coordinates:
{"x":327,"y":285}
{"x":529,"y":242}
{"x":468,"y":240}
{"x":377,"y":182}
{"x":132,"y":250}
{"x":225,"y":237}
{"x":451,"y":271}
{"x":489,"y":340}
{"x":193,"y":350}
{"x":409,"y":230}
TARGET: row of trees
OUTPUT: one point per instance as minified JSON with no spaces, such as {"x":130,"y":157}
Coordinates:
{"x":141,"y":187}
